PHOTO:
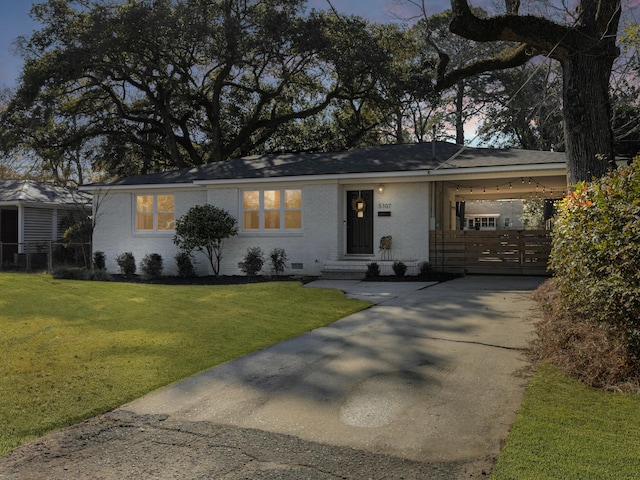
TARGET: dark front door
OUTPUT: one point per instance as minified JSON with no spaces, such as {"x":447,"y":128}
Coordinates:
{"x":9,"y":233}
{"x":360,"y":222}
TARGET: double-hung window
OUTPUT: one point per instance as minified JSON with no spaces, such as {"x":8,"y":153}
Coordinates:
{"x":272,"y":210}
{"x":154,"y":213}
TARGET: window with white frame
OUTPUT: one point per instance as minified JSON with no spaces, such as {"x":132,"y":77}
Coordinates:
{"x":272,"y":210}
{"x":154,"y":213}
{"x":481,"y":223}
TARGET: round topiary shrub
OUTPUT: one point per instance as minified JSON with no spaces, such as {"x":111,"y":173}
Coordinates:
{"x":151,"y":266}
{"x":399,"y":268}
{"x":127,"y":264}
{"x":373,"y":270}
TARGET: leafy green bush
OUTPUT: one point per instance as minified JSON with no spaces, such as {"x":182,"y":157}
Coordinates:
{"x":99,"y":260}
{"x":71,"y":273}
{"x":203,"y":228}
{"x":253,"y":261}
{"x":373,"y":270}
{"x":151,"y":266}
{"x":596,"y":251}
{"x":127,"y":264}
{"x":278,"y":261}
{"x":425,"y":269}
{"x":184,"y":261}
{"x":399,"y":268}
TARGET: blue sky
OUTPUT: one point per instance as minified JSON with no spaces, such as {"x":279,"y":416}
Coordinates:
{"x":15,"y":21}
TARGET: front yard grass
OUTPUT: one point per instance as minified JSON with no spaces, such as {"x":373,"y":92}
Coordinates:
{"x":70,"y":350}
{"x":565,"y":429}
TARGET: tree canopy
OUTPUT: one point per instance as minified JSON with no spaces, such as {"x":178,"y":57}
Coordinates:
{"x":138,"y":86}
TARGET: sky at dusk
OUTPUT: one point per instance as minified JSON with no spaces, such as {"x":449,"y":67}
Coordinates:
{"x":15,"y":21}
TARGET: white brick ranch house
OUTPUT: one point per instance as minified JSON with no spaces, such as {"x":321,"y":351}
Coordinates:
{"x":327,"y":210}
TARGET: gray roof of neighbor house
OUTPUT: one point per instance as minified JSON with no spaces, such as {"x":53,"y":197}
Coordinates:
{"x":377,"y":159}
{"x":31,"y":192}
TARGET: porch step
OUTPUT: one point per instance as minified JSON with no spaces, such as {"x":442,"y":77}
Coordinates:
{"x":356,"y":269}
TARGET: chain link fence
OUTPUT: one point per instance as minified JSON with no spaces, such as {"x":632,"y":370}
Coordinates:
{"x":44,"y":256}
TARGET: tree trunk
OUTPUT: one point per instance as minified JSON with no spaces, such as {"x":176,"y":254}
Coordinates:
{"x":587,"y":114}
{"x":459,"y":107}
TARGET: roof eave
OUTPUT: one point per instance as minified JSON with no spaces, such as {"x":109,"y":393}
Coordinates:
{"x":416,"y":175}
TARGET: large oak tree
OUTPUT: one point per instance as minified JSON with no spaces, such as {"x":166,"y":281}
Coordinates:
{"x":145,"y":85}
{"x":586,"y":49}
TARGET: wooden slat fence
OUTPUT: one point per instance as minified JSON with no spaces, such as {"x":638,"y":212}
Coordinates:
{"x":510,"y":252}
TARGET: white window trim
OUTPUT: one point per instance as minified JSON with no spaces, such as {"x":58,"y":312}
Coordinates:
{"x":271,"y":231}
{"x":155,"y":230}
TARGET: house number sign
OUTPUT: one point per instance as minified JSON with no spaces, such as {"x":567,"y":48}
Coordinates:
{"x":384,"y":206}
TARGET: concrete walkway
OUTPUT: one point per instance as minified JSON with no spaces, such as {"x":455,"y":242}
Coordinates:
{"x":425,"y":384}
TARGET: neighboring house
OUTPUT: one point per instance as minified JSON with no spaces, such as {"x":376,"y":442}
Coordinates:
{"x":493,"y":215}
{"x":35,"y":212}
{"x":324,"y":209}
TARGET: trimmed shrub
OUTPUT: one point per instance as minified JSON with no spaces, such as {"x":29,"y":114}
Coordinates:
{"x":71,"y":273}
{"x":151,"y":266}
{"x":253,"y":261}
{"x":399,"y":268}
{"x":596,"y":247}
{"x":99,"y":260}
{"x":278,"y":261}
{"x":203,"y":228}
{"x":184,"y":261}
{"x":127,"y":264}
{"x":373,"y":270}
{"x":594,"y":255}
{"x":425,"y":269}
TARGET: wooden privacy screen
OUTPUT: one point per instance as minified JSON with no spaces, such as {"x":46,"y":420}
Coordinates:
{"x":510,"y":252}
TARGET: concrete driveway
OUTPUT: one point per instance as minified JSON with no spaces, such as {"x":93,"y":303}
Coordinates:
{"x":424,"y":384}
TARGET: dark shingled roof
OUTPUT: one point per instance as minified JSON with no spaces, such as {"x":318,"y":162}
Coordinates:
{"x":28,"y":191}
{"x":381,"y":159}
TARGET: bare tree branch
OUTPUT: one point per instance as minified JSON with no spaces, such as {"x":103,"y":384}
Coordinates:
{"x":514,"y":58}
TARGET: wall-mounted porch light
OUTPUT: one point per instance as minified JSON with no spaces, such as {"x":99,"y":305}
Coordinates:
{"x":381,"y":188}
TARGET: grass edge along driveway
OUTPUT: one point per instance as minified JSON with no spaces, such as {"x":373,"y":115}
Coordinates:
{"x":567,"y":430}
{"x":70,"y":350}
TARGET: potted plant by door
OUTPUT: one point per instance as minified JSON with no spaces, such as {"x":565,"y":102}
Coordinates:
{"x":385,"y":247}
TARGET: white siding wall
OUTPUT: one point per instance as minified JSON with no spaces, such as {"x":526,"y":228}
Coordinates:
{"x":38,"y":225}
{"x":322,"y":238}
{"x":409,"y":220}
{"x":317,"y":242}
{"x":114,"y":234}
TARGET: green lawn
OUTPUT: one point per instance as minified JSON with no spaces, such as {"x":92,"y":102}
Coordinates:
{"x":566,"y":430}
{"x":70,"y":349}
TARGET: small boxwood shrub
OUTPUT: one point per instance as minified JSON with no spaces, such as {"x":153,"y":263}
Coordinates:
{"x":99,"y":260}
{"x":278,"y":261}
{"x":425,"y":269}
{"x":399,"y":268}
{"x":151,"y":266}
{"x":253,"y":261}
{"x":184,"y":261}
{"x":373,"y":270}
{"x":127,"y":264}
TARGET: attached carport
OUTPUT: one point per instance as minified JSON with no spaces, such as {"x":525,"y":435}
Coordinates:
{"x":517,"y":175}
